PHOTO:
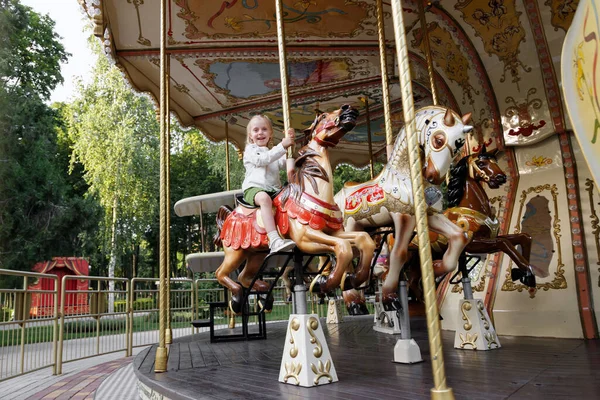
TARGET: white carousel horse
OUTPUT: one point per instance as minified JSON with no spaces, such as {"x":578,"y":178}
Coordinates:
{"x":387,"y":200}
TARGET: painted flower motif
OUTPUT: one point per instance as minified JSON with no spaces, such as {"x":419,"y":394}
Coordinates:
{"x":232,"y":23}
{"x":304,"y":4}
{"x":539,"y":161}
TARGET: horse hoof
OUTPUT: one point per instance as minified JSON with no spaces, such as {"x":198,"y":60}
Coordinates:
{"x":391,"y":303}
{"x":318,"y":284}
{"x":235,"y":307}
{"x":357,"y":309}
{"x":516,"y":274}
{"x":266,"y":305}
{"x":526,"y":278}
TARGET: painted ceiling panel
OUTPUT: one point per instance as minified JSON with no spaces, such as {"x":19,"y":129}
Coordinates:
{"x":498,"y":60}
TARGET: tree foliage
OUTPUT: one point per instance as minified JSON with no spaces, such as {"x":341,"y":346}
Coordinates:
{"x":42,"y":214}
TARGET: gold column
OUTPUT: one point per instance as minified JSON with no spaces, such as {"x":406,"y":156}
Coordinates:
{"x":384,"y":81}
{"x":427,"y":50}
{"x":440,"y":390}
{"x":227,"y":154}
{"x":283,"y":72}
{"x":169,"y":331}
{"x":160,"y":362}
{"x":365,"y":100}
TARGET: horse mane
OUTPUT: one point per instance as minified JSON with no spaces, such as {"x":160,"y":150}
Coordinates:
{"x":456,"y":183}
{"x":306,"y":167}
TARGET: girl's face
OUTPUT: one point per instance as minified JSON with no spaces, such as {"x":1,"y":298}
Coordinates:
{"x":260,"y":131}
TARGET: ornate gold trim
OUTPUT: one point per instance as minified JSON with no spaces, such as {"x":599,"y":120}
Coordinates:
{"x":321,"y":371}
{"x":589,"y":187}
{"x":480,"y":308}
{"x":292,"y":370}
{"x":559,"y":281}
{"x":491,"y":338}
{"x":466,"y":306}
{"x":468,"y":339}
{"x":313,"y":325}
{"x":294,"y":326}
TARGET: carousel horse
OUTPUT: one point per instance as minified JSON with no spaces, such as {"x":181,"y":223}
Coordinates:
{"x":469,"y":207}
{"x":387,"y":199}
{"x":304,"y":212}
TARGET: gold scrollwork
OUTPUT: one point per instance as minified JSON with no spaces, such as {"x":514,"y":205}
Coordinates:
{"x":292,"y":371}
{"x":466,"y":306}
{"x":491,"y":339}
{"x":589,"y":187}
{"x":313,"y":324}
{"x":480,"y":308}
{"x":559,"y":281}
{"x":321,"y":371}
{"x":468,"y":339}
{"x":294,"y":326}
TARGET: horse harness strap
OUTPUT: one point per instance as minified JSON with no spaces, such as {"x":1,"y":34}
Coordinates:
{"x":317,"y":206}
{"x":477,"y":218}
{"x":309,"y":210}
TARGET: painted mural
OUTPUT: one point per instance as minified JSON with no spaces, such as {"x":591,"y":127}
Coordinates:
{"x":253,"y":18}
{"x":497,"y":23}
{"x":581,"y":81}
{"x":563,"y":12}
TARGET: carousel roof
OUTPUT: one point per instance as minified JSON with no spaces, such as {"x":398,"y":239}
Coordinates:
{"x":498,"y":59}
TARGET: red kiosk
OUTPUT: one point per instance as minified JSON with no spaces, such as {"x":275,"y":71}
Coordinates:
{"x":42,"y":304}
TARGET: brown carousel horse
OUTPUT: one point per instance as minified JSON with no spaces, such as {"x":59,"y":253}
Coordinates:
{"x":304,"y":212}
{"x":469,"y":207}
{"x":387,"y":199}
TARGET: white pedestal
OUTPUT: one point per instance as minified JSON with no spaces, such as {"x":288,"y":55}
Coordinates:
{"x":407,"y":351}
{"x":474,"y":330}
{"x":386,"y":321}
{"x":334,"y":311}
{"x":306,"y":359}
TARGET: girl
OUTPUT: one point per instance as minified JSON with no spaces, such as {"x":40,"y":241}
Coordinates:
{"x":262,"y":174}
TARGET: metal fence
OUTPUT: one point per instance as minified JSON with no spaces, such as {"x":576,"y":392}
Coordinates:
{"x":99,"y":315}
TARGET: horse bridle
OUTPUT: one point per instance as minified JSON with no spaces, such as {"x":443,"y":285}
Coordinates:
{"x":475,"y":171}
{"x":314,"y":133}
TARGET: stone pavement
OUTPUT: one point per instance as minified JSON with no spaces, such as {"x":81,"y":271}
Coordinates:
{"x":80,"y":380}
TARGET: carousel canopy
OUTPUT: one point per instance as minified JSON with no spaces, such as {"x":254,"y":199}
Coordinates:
{"x":499,"y":60}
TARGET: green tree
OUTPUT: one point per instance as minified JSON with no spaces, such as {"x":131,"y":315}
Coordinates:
{"x":40,"y":214}
{"x":115,"y":139}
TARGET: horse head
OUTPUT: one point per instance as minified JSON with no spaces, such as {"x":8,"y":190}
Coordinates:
{"x":484,"y":166}
{"x":329,"y":127}
{"x":444,"y":137}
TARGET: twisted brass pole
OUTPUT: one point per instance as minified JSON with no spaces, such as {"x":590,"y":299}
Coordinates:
{"x":440,"y":390}
{"x":160,"y":361}
{"x":227,"y":154}
{"x":385,"y":92}
{"x":169,"y":331}
{"x":285,"y":103}
{"x":425,"y":38}
{"x":365,"y":100}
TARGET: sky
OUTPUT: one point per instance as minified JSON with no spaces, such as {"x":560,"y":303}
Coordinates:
{"x":70,"y":24}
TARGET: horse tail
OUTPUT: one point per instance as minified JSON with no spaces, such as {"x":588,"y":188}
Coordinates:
{"x":222,"y":215}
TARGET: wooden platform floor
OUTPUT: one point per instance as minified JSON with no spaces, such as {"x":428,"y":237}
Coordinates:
{"x":524,"y":368}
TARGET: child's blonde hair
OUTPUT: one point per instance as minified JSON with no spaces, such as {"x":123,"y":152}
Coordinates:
{"x":257,"y":116}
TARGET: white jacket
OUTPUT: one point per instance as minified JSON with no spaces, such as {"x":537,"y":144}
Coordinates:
{"x":262,"y":166}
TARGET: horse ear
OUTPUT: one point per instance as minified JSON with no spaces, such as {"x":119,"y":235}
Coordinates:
{"x":449,"y":118}
{"x":466,"y":118}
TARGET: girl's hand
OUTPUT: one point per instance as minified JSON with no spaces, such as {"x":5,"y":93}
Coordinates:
{"x":288,"y":140}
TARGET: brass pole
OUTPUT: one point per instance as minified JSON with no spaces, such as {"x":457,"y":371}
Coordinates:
{"x":160,"y":362}
{"x":227,"y":154}
{"x":169,"y":331}
{"x":440,"y":390}
{"x":285,"y":103}
{"x":425,"y":39}
{"x":389,"y":137}
{"x":365,"y":100}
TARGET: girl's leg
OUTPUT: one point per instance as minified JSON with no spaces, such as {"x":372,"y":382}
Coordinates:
{"x":263,"y":200}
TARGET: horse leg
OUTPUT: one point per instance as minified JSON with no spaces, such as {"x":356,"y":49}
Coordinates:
{"x":523,"y":273}
{"x":287,"y":282}
{"x":457,"y":240}
{"x":233,"y":258}
{"x":366,"y":247}
{"x":314,"y":242}
{"x":253,"y":264}
{"x":524,"y":240}
{"x":404,"y":226}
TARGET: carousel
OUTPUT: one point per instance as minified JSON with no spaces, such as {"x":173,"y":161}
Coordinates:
{"x":486,"y":116}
